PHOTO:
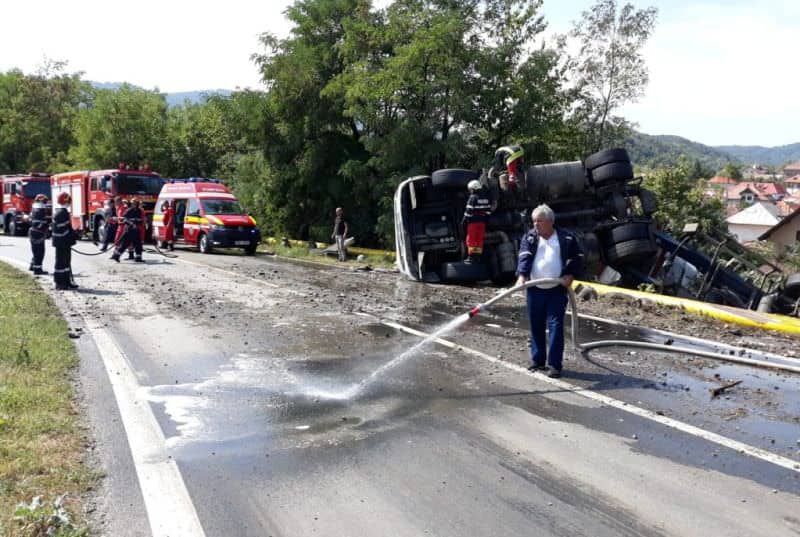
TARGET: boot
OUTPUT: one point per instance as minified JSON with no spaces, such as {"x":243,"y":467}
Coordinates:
{"x":139,"y":260}
{"x":115,"y":257}
{"x":130,"y":254}
{"x":40,"y":272}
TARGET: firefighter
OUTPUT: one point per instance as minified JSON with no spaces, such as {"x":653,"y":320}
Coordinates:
{"x":38,"y":232}
{"x":512,"y":158}
{"x":110,"y":214}
{"x":63,"y":239}
{"x":169,"y":224}
{"x":133,"y":224}
{"x":121,"y":209}
{"x":475,"y":216}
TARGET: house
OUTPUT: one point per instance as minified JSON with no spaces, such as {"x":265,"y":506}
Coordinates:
{"x":787,"y":205}
{"x":792,"y":185}
{"x":748,"y":193}
{"x":722,"y":180}
{"x":785,"y":233}
{"x":790,"y":170}
{"x":750,"y":223}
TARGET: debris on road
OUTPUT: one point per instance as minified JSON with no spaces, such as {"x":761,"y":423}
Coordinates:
{"x":715,"y":392}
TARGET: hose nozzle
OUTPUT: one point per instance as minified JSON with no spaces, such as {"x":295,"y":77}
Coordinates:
{"x":474,"y":311}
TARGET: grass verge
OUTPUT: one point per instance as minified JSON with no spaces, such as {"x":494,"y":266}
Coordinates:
{"x":41,"y":440}
{"x":385,"y":261}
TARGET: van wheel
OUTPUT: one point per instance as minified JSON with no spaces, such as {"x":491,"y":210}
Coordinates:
{"x":250,"y":250}
{"x":204,"y":245}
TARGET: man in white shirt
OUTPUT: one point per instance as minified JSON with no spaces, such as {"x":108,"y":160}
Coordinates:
{"x":548,"y":252}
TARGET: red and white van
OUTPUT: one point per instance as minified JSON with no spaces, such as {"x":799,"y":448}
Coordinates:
{"x":207,"y":215}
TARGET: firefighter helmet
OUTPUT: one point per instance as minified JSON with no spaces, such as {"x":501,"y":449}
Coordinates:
{"x":474,"y":185}
{"x":64,"y":199}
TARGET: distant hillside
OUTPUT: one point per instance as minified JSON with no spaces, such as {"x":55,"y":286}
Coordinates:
{"x":771,"y":156}
{"x":173,"y":99}
{"x":654,"y":151}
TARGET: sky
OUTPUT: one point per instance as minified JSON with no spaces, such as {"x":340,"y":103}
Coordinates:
{"x":721,"y":72}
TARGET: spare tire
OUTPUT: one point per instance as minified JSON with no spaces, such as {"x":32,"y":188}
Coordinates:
{"x":630,"y":250}
{"x":464,"y":272}
{"x":629,"y":232}
{"x":791,"y":288}
{"x":453,"y":178}
{"x":605,"y":157}
{"x":613,"y":171}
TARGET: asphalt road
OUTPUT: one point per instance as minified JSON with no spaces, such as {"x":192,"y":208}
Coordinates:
{"x":223,"y":395}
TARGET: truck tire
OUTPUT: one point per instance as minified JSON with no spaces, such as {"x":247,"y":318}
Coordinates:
{"x":791,"y":288}
{"x":767,"y":303}
{"x":464,"y":272}
{"x":99,"y":231}
{"x":11,"y":227}
{"x":453,"y":178}
{"x":204,"y":245}
{"x":630,"y":250}
{"x":608,"y":156}
{"x":613,"y":171}
{"x":629,"y":232}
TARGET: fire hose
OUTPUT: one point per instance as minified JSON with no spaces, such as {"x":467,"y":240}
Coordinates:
{"x":585,"y":347}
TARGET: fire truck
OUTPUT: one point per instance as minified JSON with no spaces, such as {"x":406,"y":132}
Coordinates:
{"x":91,"y":189}
{"x":18,"y":193}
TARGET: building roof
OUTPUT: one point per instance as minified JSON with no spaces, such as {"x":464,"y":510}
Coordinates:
{"x":785,"y":220}
{"x":758,"y":214}
{"x":722,"y":180}
{"x":764,"y":191}
{"x":793,"y":180}
{"x":792,"y":166}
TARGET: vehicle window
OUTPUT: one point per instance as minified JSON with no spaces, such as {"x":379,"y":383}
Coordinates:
{"x":139,"y":184}
{"x":221,"y":206}
{"x":194,"y":208}
{"x":93,"y":185}
{"x":31,"y":188}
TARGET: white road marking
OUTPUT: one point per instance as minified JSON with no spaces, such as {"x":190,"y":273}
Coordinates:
{"x":169,"y":507}
{"x":735,"y":445}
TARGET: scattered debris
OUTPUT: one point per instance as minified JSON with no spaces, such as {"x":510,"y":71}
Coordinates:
{"x":721,"y":389}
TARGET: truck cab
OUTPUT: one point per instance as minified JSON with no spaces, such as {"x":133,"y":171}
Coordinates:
{"x":207,"y":216}
{"x":90,"y":189}
{"x":18,"y":194}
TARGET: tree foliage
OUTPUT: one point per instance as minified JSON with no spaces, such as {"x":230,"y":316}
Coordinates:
{"x":681,"y":199}
{"x":609,"y":69}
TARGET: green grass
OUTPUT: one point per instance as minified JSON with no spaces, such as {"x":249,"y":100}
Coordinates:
{"x":41,"y":440}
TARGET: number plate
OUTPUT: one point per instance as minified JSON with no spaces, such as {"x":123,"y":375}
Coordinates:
{"x":242,"y":243}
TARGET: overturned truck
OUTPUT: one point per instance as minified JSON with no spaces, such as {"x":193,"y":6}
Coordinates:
{"x":605,"y":206}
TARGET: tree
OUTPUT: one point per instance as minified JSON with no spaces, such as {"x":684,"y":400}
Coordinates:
{"x":734,"y":171}
{"x":609,"y":70}
{"x":681,"y":199}
{"x":36,"y":116}
{"x":125,"y":125}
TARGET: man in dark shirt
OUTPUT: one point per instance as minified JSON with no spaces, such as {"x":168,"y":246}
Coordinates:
{"x":340,"y":229}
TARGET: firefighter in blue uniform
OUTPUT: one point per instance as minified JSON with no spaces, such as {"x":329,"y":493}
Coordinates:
{"x":476,"y":215}
{"x":37,"y":233}
{"x":133,"y":222}
{"x":63,"y":239}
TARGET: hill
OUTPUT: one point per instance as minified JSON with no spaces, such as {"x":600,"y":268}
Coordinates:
{"x":654,"y":151}
{"x":173,"y":99}
{"x":771,"y":156}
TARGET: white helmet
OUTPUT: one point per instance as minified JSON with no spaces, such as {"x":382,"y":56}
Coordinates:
{"x":474,"y":185}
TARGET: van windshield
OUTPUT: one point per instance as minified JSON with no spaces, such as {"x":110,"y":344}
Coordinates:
{"x":139,"y":184}
{"x":221,"y":206}
{"x":31,"y":188}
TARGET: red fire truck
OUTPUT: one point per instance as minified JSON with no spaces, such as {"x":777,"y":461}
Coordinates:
{"x":90,"y":189}
{"x":18,"y":193}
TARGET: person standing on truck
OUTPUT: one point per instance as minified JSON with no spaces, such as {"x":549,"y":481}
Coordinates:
{"x":37,"y":233}
{"x":132,"y":222}
{"x":476,"y":214}
{"x":548,"y":252}
{"x":169,"y":224}
{"x":63,"y":239}
{"x":110,"y":215}
{"x":340,"y":229}
{"x":511,"y":157}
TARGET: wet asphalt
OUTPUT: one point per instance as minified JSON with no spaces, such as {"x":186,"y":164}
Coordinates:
{"x":246,"y":363}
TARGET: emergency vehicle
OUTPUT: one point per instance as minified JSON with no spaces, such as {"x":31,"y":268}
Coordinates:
{"x":207,"y":215}
{"x":91,"y":189}
{"x":18,"y":193}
